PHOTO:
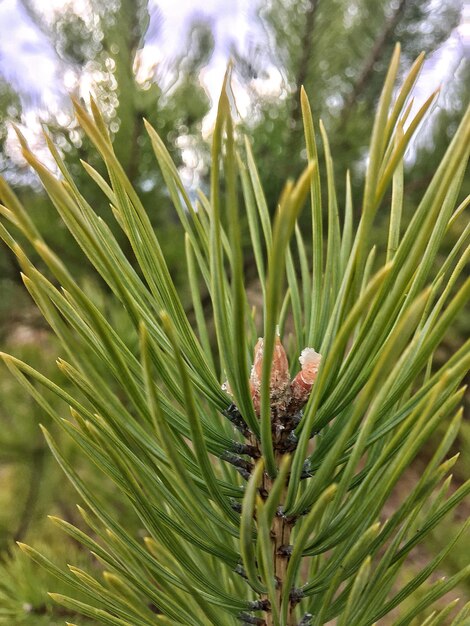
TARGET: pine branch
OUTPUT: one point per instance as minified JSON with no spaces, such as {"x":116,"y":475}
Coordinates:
{"x":218,"y":507}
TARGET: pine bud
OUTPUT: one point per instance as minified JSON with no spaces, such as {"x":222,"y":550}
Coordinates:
{"x":286,"y":398}
{"x":279,"y":380}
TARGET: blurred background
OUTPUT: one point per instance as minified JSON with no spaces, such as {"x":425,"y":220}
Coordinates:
{"x":165,"y":61}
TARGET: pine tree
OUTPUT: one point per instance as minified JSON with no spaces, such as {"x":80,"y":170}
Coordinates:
{"x":257,"y":497}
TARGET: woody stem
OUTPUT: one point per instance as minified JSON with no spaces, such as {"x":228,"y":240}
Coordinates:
{"x":281,"y":530}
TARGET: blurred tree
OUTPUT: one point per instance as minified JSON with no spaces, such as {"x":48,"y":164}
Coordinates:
{"x":102,"y":47}
{"x":339,"y":51}
{"x":10,"y":107}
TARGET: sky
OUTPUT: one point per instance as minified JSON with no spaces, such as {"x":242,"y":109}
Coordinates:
{"x":27,"y":58}
{"x":28,"y":61}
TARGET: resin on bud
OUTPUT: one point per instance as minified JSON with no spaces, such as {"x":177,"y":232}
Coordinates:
{"x":302,"y":383}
